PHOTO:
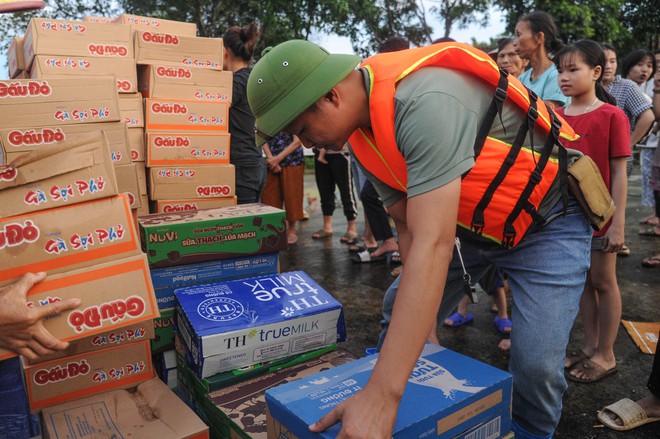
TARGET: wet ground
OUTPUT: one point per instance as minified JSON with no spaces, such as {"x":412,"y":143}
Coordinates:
{"x":360,"y":288}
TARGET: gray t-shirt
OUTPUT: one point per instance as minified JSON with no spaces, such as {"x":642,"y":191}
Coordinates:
{"x":437,"y":116}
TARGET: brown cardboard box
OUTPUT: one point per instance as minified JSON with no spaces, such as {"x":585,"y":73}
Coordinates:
{"x":144,"y":209}
{"x":22,"y":75}
{"x":155,"y":48}
{"x":97,"y":19}
{"x":15,"y":57}
{"x":18,"y":141}
{"x":103,"y":340}
{"x":127,"y":183}
{"x":47,"y":36}
{"x":123,"y":69}
{"x":189,"y":83}
{"x":71,"y":172}
{"x":58,"y":101}
{"x":139,"y":23}
{"x":70,"y":378}
{"x":180,"y":115}
{"x":67,"y":238}
{"x":142,"y":176}
{"x":114,"y":294}
{"x":131,"y":110}
{"x":167,"y":206}
{"x":152,"y":411}
{"x":136,"y":144}
{"x":177,"y":149}
{"x":180,"y":183}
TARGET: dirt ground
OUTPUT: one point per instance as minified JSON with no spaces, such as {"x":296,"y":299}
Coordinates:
{"x":360,"y":287}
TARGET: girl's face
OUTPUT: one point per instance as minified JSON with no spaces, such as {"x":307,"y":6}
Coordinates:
{"x":610,"y":66}
{"x":526,"y":42}
{"x":576,"y":77}
{"x":508,"y":59}
{"x":641,"y":72}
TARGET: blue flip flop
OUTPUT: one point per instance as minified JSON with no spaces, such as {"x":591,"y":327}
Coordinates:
{"x":502,"y":325}
{"x":457,"y":319}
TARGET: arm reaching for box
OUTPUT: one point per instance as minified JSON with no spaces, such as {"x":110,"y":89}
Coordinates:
{"x":21,"y":327}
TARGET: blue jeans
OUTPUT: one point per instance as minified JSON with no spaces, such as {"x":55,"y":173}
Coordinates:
{"x":546,"y":271}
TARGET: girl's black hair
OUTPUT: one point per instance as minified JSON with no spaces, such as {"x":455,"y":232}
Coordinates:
{"x":501,"y":44}
{"x":593,"y":55}
{"x":541,"y":21}
{"x":633,"y":58}
{"x":241,"y":40}
{"x":608,"y":46}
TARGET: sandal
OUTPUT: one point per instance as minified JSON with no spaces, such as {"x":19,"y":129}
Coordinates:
{"x":353,"y":248}
{"x":630,"y":413}
{"x":650,"y":220}
{"x":395,"y":258}
{"x":349,"y":238}
{"x":366,"y":257}
{"x":624,"y":251}
{"x":397,"y":271}
{"x":503,"y":325}
{"x":653,"y":261}
{"x":457,"y":319}
{"x":320,"y":234}
{"x":592,"y":372}
{"x":575,"y":357}
{"x":651,"y":231}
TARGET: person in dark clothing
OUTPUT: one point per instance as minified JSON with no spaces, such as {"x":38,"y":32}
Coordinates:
{"x":239,"y":43}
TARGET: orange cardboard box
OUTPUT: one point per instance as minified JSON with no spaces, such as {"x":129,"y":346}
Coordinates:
{"x":156,"y":47}
{"x":177,"y":149}
{"x":181,"y":183}
{"x":114,"y":337}
{"x":189,"y":83}
{"x":67,"y":238}
{"x":152,"y":411}
{"x":136,"y":144}
{"x":97,"y":19}
{"x":127,"y":182}
{"x":139,"y":23}
{"x":113,"y":294}
{"x":58,"y":101}
{"x":123,"y":69}
{"x":15,"y":57}
{"x":167,"y":206}
{"x":131,"y":109}
{"x":75,"y":377}
{"x":47,"y":36}
{"x":18,"y":141}
{"x":71,"y":172}
{"x":180,"y":115}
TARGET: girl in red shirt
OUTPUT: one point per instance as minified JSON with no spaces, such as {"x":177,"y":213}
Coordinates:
{"x":605,"y":137}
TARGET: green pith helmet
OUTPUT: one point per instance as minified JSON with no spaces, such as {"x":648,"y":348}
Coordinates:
{"x":288,"y":79}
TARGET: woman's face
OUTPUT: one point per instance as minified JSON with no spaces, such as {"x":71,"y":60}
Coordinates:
{"x":526,"y":43}
{"x":508,"y":59}
{"x":641,"y":72}
{"x":610,"y":66}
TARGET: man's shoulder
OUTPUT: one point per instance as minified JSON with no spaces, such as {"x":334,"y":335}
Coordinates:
{"x":438,"y":80}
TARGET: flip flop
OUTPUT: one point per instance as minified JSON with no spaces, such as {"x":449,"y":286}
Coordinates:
{"x":653,"y":261}
{"x":360,"y":248}
{"x":649,"y":232}
{"x":502,"y":325}
{"x":630,"y":413}
{"x":575,"y":357}
{"x":592,"y":372}
{"x":395,"y":258}
{"x":365,"y":257}
{"x":457,"y":319}
{"x":320,"y":234}
{"x":349,"y":238}
{"x":650,"y":220}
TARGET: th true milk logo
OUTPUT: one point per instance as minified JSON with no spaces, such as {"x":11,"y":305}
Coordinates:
{"x":220,"y":309}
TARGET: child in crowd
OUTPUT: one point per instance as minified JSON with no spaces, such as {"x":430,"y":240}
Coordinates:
{"x":605,"y":137}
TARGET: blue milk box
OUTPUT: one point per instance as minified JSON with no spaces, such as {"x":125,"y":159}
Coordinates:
{"x":448,"y":395}
{"x":234,"y":324}
{"x":166,"y":280}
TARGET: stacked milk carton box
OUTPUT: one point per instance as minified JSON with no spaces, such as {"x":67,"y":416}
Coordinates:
{"x":60,"y":213}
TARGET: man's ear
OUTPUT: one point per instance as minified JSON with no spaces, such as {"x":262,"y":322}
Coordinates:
{"x":332,"y":97}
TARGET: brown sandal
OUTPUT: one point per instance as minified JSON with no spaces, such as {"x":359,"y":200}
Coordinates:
{"x":592,"y":372}
{"x":575,"y":357}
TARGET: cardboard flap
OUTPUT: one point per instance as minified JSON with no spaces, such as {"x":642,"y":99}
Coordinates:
{"x":80,"y":151}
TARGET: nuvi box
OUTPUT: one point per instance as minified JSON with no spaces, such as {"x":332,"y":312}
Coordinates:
{"x":239,"y":323}
{"x":448,"y":395}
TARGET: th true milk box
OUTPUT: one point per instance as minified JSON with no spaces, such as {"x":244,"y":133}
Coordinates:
{"x":233,"y":324}
{"x":167,"y":280}
{"x":181,"y":238}
{"x":448,"y":395}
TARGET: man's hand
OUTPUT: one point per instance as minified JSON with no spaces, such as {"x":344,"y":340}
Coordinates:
{"x":21,"y":327}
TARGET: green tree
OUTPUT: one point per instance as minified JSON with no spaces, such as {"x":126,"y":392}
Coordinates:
{"x":461,"y":12}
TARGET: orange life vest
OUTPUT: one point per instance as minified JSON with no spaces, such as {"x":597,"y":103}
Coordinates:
{"x":500,"y":195}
